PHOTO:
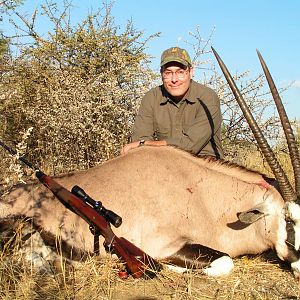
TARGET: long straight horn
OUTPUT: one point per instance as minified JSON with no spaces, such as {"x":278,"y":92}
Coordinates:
{"x":286,"y":189}
{"x":287,"y":128}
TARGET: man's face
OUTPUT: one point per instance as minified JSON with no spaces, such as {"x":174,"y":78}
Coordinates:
{"x":176,"y":79}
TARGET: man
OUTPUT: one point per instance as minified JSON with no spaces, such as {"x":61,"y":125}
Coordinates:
{"x":180,"y":112}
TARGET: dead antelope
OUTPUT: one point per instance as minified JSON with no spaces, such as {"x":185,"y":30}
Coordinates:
{"x":180,"y":209}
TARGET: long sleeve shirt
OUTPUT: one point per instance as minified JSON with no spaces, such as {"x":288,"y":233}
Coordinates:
{"x":193,"y":124}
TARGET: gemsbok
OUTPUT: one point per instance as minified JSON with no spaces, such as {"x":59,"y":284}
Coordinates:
{"x":183,"y":210}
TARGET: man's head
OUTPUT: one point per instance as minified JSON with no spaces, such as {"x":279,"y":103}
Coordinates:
{"x":176,"y":70}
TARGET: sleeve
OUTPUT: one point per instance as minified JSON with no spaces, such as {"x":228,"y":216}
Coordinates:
{"x":143,"y":128}
{"x":202,"y":129}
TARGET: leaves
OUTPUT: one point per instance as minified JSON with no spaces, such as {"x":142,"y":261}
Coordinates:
{"x":79,"y":88}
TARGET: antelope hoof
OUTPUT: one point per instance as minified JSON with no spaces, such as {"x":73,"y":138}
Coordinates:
{"x":219,"y":267}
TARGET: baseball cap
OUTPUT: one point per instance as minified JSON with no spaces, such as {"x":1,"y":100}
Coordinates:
{"x":175,"y":54}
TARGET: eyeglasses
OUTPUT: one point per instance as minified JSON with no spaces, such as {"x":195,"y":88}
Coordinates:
{"x":181,"y":74}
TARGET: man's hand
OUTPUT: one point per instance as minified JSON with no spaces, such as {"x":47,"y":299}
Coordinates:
{"x":128,"y":147}
{"x":133,"y":145}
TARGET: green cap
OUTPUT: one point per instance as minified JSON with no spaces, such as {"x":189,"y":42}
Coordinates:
{"x":175,"y":54}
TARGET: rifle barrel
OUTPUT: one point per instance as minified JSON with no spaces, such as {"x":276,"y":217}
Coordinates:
{"x":21,"y":158}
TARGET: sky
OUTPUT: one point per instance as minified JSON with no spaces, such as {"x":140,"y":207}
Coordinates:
{"x":240,"y":27}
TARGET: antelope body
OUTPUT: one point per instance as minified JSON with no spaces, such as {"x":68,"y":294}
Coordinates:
{"x":181,"y":209}
{"x":168,"y":199}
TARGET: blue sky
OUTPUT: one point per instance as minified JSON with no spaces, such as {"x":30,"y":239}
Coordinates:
{"x":241,"y":27}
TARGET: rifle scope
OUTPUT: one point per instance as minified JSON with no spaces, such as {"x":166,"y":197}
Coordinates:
{"x":109,"y":215}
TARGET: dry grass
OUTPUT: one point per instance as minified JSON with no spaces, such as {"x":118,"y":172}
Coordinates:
{"x":261,"y":277}
{"x":254,"y":160}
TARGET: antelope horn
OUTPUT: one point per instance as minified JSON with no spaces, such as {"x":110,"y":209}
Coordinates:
{"x":287,"y":128}
{"x":286,"y":189}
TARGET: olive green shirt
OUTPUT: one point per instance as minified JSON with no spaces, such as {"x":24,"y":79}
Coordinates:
{"x":193,"y":124}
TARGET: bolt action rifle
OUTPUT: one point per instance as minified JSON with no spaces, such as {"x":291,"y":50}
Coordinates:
{"x":137,"y":262}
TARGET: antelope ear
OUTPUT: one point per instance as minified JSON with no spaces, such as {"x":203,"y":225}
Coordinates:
{"x":252,"y":215}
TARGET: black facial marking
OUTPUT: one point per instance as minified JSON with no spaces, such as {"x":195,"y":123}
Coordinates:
{"x":290,"y":233}
{"x":294,"y":254}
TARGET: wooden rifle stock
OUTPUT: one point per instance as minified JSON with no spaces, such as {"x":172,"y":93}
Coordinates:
{"x":138,"y":263}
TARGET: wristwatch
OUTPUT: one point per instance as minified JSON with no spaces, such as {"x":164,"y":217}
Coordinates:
{"x":141,"y":143}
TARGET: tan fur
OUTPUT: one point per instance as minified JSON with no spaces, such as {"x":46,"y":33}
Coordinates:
{"x":166,"y":198}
